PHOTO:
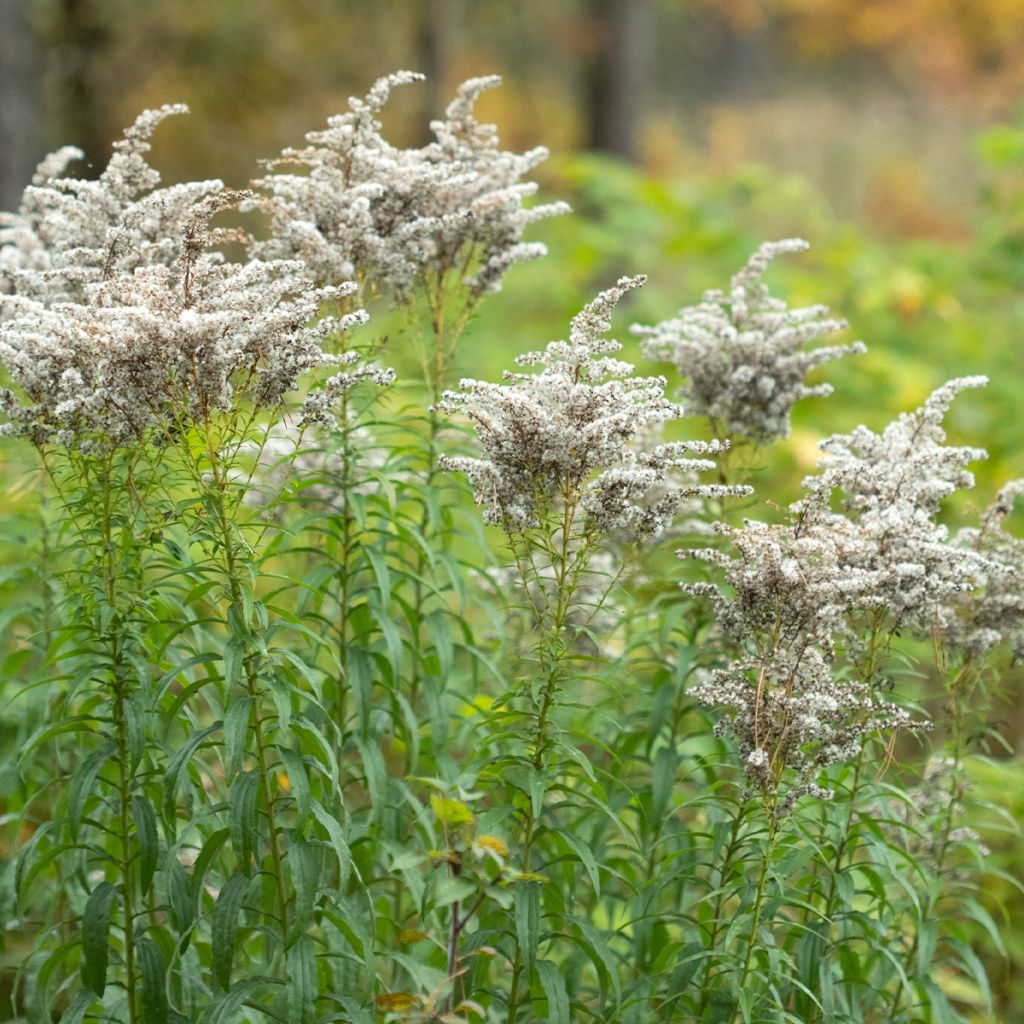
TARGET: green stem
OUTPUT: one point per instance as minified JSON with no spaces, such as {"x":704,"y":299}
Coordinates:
{"x":758,"y":900}
{"x":109,"y":570}
{"x":252,"y":675}
{"x":716,"y":923}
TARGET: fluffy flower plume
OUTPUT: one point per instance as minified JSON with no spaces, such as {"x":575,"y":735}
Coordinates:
{"x":168,"y":343}
{"x":993,"y":613}
{"x":564,"y":436}
{"x":368,"y":210}
{"x":798,"y":587}
{"x":745,"y":353}
{"x":892,"y":485}
{"x":791,"y":594}
{"x":70,"y":233}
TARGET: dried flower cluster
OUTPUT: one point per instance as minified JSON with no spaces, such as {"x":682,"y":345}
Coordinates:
{"x":165,"y":343}
{"x":993,"y":613}
{"x":891,"y":486}
{"x":745,"y":353}
{"x":787,"y":710}
{"x":799,"y":587}
{"x":367,"y":210}
{"x":70,"y":233}
{"x":563,"y":438}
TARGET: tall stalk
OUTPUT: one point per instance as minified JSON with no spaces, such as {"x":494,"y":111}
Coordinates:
{"x":232,"y":550}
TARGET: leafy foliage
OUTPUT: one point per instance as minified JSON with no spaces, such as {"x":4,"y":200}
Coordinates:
{"x":294,"y":736}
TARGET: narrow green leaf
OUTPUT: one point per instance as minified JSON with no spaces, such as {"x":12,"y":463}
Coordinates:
{"x":152,"y":970}
{"x":223,"y":1009}
{"x":301,"y":864}
{"x":135,"y":722}
{"x":206,"y":857}
{"x":526,"y":903}
{"x":299,"y":782}
{"x":360,"y":672}
{"x":662,"y":781}
{"x":236,"y":728}
{"x":302,"y":982}
{"x":234,"y":656}
{"x":243,"y":818}
{"x":78,"y":1007}
{"x":172,"y":778}
{"x":83,"y":785}
{"x":282,"y":702}
{"x":147,"y":838}
{"x":182,"y":900}
{"x":339,"y":843}
{"x":225,"y":926}
{"x":96,"y":937}
{"x":554,"y":991}
{"x":585,"y":856}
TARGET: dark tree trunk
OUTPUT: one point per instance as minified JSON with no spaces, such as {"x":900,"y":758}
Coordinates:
{"x":19,"y":102}
{"x":619,"y":74}
{"x":79,"y":45}
{"x":437,"y":43}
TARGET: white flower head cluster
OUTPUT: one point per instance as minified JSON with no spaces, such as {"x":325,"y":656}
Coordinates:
{"x":70,"y":233}
{"x":564,"y":436}
{"x":891,"y":486}
{"x":745,"y":353}
{"x":799,"y":586}
{"x":790,"y":714}
{"x":163,"y":344}
{"x":791,"y":593}
{"x":993,"y":613}
{"x":367,"y":210}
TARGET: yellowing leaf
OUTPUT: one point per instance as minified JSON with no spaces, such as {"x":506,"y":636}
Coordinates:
{"x":493,"y":844}
{"x":397,"y":1001}
{"x":451,"y":812}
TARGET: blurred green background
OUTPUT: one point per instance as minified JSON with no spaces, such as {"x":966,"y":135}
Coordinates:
{"x":683,"y":132}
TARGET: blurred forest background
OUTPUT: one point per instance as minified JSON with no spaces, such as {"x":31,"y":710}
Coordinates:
{"x":889,"y":133}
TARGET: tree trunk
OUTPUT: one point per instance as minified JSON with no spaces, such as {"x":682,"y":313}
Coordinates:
{"x":79,"y":43}
{"x":437,"y":44}
{"x":19,"y":102}
{"x":619,"y":74}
